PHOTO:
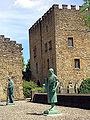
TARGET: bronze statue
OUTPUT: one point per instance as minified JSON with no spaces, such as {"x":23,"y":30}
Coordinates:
{"x":10,"y":92}
{"x":51,"y":85}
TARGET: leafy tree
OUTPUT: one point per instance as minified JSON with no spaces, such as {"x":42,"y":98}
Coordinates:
{"x":27,"y":87}
{"x":23,"y":64}
{"x":28,"y":66}
{"x":86,"y":15}
{"x":85,"y":87}
{"x":27,"y":72}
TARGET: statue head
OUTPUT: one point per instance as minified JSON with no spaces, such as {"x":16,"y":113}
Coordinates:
{"x":51,"y":71}
{"x":9,"y":78}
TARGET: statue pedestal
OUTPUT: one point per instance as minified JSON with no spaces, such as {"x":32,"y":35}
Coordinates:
{"x":51,"y":112}
{"x":10,"y":104}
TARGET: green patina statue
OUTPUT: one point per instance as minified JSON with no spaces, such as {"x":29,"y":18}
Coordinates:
{"x":10,"y":92}
{"x":51,"y":85}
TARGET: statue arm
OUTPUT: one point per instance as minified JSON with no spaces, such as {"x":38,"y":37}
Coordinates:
{"x":10,"y":85}
{"x":56,"y":85}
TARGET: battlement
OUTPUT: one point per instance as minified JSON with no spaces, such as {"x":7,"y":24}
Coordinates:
{"x":55,"y":7}
{"x":12,"y":43}
{"x":71,"y":7}
{"x":1,"y":37}
{"x":7,"y":39}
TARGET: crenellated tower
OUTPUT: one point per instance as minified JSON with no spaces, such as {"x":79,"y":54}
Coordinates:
{"x":59,"y":39}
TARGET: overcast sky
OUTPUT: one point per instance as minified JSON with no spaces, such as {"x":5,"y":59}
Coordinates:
{"x":17,"y":16}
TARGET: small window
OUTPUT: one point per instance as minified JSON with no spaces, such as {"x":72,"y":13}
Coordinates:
{"x":46,"y":28}
{"x":34,"y":51}
{"x":77,"y":63}
{"x":36,"y":67}
{"x":50,"y":45}
{"x":45,"y":47}
{"x":70,"y":42}
{"x":48,"y":63}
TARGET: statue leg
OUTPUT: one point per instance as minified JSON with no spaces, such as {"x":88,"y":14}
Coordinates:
{"x":10,"y":99}
{"x":52,"y":106}
{"x":52,"y":110}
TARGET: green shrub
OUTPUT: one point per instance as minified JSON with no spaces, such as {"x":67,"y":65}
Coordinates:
{"x":40,"y":89}
{"x":85,"y":87}
{"x":27,"y":87}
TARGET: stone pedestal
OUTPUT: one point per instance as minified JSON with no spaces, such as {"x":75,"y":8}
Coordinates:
{"x":71,"y":88}
{"x":63,"y":90}
{"x":52,"y":112}
{"x":33,"y":92}
{"x":10,"y":104}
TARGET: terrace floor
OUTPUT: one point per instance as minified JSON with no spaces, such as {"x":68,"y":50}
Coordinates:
{"x":24,"y":110}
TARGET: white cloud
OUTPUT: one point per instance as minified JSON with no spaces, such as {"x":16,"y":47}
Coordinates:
{"x":27,"y":3}
{"x":30,"y":3}
{"x":7,"y":15}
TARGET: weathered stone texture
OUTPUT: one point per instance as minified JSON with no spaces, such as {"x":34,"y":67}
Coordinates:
{"x":10,"y":66}
{"x":69,"y":24}
{"x":57,"y":25}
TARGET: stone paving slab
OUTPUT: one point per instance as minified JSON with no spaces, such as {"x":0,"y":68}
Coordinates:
{"x":24,"y":110}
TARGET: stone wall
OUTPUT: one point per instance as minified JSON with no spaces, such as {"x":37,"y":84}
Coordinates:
{"x":35,"y":51}
{"x":10,"y":66}
{"x":57,"y":25}
{"x":41,"y":33}
{"x":69,"y":24}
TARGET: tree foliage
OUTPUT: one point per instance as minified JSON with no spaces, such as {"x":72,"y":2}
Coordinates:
{"x":29,"y":86}
{"x":23,"y":64}
{"x":85,"y":87}
{"x":27,"y":72}
{"x":86,"y":15}
{"x":28,"y":68}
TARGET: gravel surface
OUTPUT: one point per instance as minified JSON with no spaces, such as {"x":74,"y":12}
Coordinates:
{"x":23,"y":110}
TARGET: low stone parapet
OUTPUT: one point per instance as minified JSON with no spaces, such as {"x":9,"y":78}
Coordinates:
{"x":70,"y":100}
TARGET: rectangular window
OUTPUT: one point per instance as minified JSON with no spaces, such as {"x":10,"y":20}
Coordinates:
{"x":50,"y":45}
{"x":34,"y":51}
{"x":36,"y":67}
{"x":46,"y":28}
{"x":77,"y":63}
{"x":45,"y":47}
{"x":48,"y":63}
{"x":70,"y":42}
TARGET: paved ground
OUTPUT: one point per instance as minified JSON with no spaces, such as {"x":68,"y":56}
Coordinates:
{"x":24,"y":110}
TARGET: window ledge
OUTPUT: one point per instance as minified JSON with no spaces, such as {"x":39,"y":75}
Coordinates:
{"x":70,"y":46}
{"x":77,"y":68}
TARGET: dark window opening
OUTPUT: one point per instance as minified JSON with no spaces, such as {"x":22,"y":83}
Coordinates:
{"x":77,"y":63}
{"x":70,"y":42}
{"x":45,"y":47}
{"x":46,"y":28}
{"x":34,"y":51}
{"x":50,"y":45}
{"x":36,"y":67}
{"x":48,"y":63}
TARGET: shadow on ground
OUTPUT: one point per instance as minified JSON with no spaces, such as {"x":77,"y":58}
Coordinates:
{"x":2,"y":105}
{"x":33,"y":114}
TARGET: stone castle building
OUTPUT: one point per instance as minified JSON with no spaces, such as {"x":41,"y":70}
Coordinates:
{"x":61,"y":41}
{"x":10,"y":66}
